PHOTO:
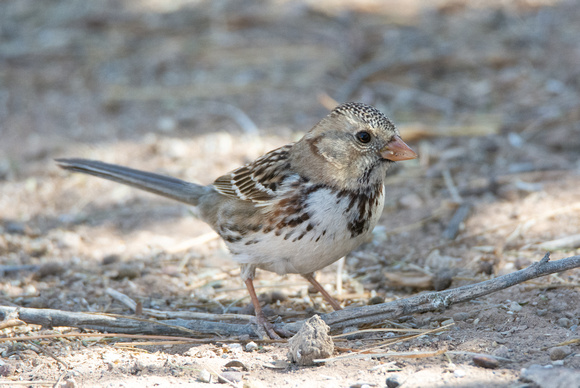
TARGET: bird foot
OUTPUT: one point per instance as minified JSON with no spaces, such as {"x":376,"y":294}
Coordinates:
{"x":266,"y":326}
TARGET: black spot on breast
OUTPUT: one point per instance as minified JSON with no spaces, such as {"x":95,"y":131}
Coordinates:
{"x":353,"y":198}
{"x":231,"y":239}
{"x":255,"y":228}
{"x":357,"y":227}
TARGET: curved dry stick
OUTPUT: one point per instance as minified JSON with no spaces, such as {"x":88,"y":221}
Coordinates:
{"x":436,"y":300}
{"x":338,"y":320}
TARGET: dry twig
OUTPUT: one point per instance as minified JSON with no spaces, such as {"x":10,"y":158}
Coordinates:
{"x":338,"y":320}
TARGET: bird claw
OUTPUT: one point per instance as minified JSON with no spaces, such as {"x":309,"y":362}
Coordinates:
{"x":267,"y":327}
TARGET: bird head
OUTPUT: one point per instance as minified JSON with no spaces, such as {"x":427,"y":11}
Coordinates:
{"x":351,"y":147}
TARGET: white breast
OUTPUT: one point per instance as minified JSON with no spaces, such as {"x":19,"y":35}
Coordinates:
{"x":326,"y":240}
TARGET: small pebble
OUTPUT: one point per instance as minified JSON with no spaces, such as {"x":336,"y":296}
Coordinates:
{"x":486,"y":361}
{"x":564,"y":322}
{"x":251,"y":346}
{"x":204,"y":376}
{"x":459,"y":373}
{"x":360,"y":384}
{"x":68,"y":383}
{"x":234,"y":377}
{"x":7,"y":370}
{"x":111,"y":259}
{"x":237,"y":364}
{"x":447,"y":322}
{"x":501,"y":351}
{"x":541,"y":312}
{"x":49,"y":269}
{"x":515,"y":307}
{"x":393,"y":382}
{"x":461,"y":316}
{"x":560,"y":352}
{"x":376,"y":300}
{"x":235,"y":347}
{"x":128,"y":271}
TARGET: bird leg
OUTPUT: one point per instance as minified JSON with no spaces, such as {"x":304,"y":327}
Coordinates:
{"x":260,"y":317}
{"x":335,"y":305}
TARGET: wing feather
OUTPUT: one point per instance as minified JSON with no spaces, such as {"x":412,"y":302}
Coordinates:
{"x":259,"y":180}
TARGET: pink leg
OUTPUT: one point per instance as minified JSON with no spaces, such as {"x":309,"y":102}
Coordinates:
{"x":260,"y":317}
{"x":335,"y":305}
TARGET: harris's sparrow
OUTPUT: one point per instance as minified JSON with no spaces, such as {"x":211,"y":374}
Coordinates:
{"x":296,"y":209}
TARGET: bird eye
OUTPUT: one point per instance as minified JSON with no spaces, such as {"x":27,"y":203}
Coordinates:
{"x":363,"y":137}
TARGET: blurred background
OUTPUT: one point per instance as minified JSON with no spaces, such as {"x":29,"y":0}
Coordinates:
{"x":487,"y":92}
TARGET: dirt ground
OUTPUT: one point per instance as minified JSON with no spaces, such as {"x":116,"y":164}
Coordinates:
{"x":487,"y":92}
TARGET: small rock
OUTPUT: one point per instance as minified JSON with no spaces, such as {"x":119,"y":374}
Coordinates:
{"x":49,"y":269}
{"x":237,"y":364}
{"x":501,"y":351}
{"x":111,"y":259}
{"x":393,"y":381}
{"x":447,"y":322}
{"x":376,"y":300}
{"x":278,"y":296}
{"x":361,"y":384}
{"x":560,"y":352}
{"x":352,"y":329}
{"x":486,"y":267}
{"x":204,"y":376}
{"x":515,"y":307}
{"x":459,"y":373}
{"x":68,"y":383}
{"x":486,"y":361}
{"x":442,"y":279}
{"x":7,"y":370}
{"x":549,"y":377}
{"x":251,"y":346}
{"x":311,"y":342}
{"x":128,"y":271}
{"x":461,"y":316}
{"x":541,"y":312}
{"x":564,"y":322}
{"x":235,"y":347}
{"x":234,"y":377}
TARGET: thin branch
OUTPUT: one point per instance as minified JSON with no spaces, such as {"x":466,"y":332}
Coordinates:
{"x":369,"y":315}
{"x":338,"y":320}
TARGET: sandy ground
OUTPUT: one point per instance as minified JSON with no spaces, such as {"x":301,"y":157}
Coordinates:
{"x":486,"y":92}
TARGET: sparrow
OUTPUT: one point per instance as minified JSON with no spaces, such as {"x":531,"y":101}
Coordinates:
{"x":296,"y":209}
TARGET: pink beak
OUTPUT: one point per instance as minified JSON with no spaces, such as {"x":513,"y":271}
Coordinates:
{"x":397,"y":150}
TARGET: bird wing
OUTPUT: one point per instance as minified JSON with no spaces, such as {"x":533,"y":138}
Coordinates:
{"x":257,"y":181}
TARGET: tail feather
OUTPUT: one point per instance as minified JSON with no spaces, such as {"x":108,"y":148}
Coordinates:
{"x":154,"y":183}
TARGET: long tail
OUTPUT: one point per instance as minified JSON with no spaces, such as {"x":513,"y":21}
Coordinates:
{"x":158,"y":184}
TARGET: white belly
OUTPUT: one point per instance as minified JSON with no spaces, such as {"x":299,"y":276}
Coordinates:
{"x":328,"y":240}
